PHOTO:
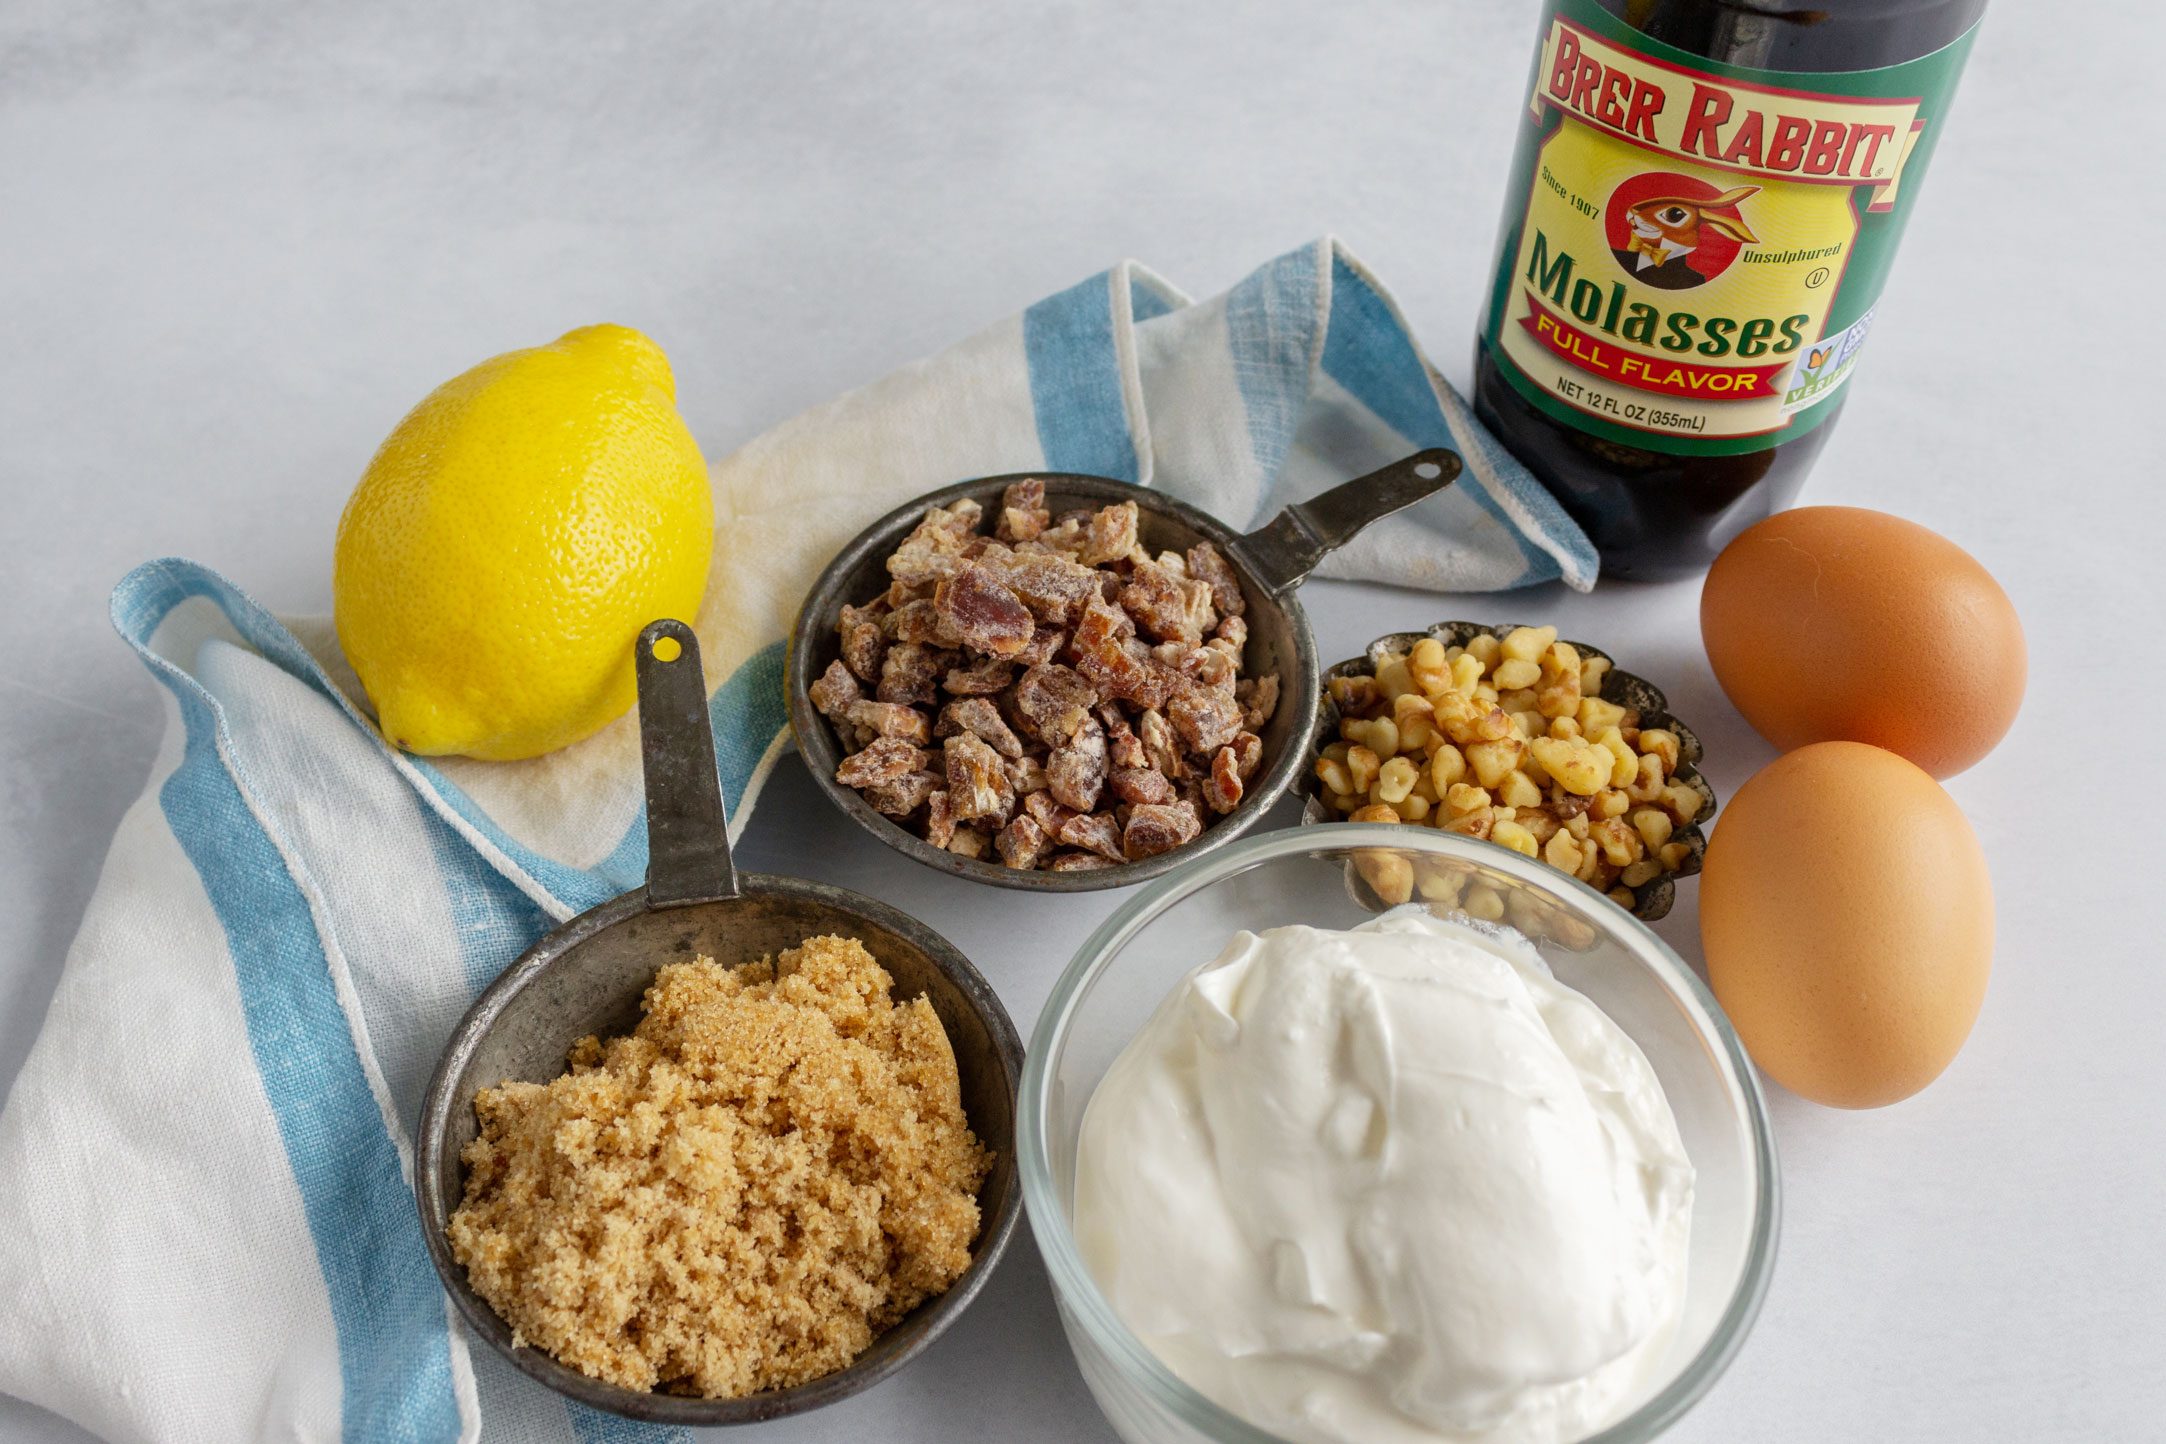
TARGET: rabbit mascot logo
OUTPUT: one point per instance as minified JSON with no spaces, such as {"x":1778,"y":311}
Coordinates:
{"x":1674,"y":232}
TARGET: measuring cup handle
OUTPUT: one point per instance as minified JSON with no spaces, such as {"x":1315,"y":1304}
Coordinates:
{"x":688,"y":840}
{"x":1287,"y":548}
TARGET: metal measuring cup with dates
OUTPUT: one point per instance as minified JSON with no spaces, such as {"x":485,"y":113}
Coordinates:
{"x":1061,"y":682}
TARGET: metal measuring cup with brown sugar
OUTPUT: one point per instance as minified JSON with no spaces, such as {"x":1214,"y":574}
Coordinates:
{"x":587,"y":979}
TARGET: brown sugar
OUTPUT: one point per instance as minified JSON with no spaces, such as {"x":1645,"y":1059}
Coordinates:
{"x":741,"y":1195}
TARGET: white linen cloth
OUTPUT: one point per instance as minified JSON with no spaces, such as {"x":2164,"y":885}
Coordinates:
{"x":207,"y":1232}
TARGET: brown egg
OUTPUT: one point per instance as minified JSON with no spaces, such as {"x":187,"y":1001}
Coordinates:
{"x":1848,"y":923}
{"x":1834,"y":622}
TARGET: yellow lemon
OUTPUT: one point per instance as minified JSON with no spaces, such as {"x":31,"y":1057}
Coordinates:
{"x":509,"y":540}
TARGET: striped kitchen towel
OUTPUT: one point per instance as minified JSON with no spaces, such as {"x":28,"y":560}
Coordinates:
{"x":206,"y":1228}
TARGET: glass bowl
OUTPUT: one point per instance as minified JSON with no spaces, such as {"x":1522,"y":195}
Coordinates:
{"x":1308,"y":875}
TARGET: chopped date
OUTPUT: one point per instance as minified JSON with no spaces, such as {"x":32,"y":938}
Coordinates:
{"x":910,"y":673}
{"x":982,"y":614}
{"x":982,"y":720}
{"x":905,"y":795}
{"x":914,"y":621}
{"x":1050,"y":585}
{"x":1123,"y":747}
{"x":834,"y":691}
{"x":978,"y":784}
{"x":1140,"y":784}
{"x":874,"y":611}
{"x":1066,"y":535}
{"x":979,"y":679}
{"x":1123,"y":674}
{"x":1021,"y":843}
{"x":1076,"y":773}
{"x":1095,"y":832}
{"x":957,"y":521}
{"x":939,"y":818}
{"x":1046,"y":695}
{"x":1208,"y":665}
{"x":1153,"y":829}
{"x":1045,"y":645}
{"x":1202,"y":615}
{"x":885,"y":760}
{"x":891,"y":719}
{"x":864,"y":649}
{"x":1204,"y":718}
{"x":902,"y":594}
{"x":1070,"y":724}
{"x":1222,"y":789}
{"x":1207,"y":564}
{"x":1103,"y":624}
{"x":922,"y":560}
{"x":1111,"y":535}
{"x":1062,"y":669}
{"x":934,"y":548}
{"x":1026,"y":774}
{"x":1160,"y":602}
{"x":1163,"y":747}
{"x":1050,"y":814}
{"x":1023,"y":513}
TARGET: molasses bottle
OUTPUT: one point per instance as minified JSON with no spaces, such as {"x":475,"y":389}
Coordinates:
{"x":1703,"y":207}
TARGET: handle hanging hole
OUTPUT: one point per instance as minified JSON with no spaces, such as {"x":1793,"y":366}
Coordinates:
{"x":667,"y":649}
{"x":1428,"y":471}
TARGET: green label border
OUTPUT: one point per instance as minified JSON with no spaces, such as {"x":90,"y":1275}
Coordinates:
{"x":1931,"y":77}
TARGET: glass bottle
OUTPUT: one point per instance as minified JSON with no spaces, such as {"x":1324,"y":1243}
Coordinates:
{"x":1704,"y":203}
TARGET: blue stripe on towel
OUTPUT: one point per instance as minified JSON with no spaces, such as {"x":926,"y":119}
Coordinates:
{"x":496,"y":923}
{"x":1369,"y":353}
{"x":146,"y":595}
{"x":748,"y":713}
{"x":393,"y":1338}
{"x":1147,"y":303}
{"x":1271,"y":325}
{"x":594,"y":1426}
{"x":386,"y":1305}
{"x":577,"y":888}
{"x":1075,"y":382}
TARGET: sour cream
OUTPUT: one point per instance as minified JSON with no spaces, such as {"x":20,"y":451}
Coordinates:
{"x":1392,"y":1184}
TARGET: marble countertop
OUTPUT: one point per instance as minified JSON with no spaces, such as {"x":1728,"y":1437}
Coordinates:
{"x":239,"y":241}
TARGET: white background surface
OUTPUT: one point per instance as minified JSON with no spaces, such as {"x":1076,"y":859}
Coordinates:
{"x":236,"y":244}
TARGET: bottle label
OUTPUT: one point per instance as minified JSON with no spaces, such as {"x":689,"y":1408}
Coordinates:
{"x":1692,"y":250}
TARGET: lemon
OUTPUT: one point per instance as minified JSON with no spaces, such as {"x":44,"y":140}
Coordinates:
{"x":510,"y":538}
